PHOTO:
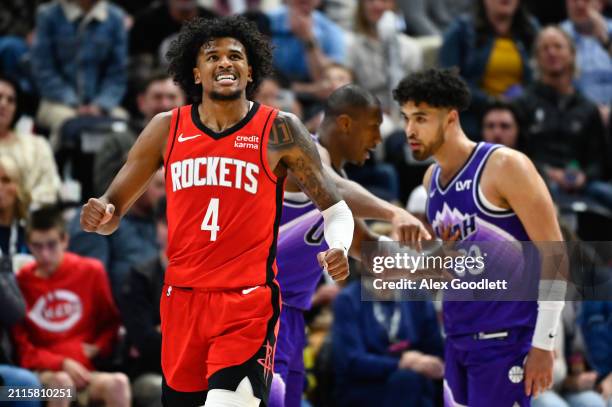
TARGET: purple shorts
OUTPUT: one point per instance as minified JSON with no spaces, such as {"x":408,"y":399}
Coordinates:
{"x":289,"y":359}
{"x":486,"y":372}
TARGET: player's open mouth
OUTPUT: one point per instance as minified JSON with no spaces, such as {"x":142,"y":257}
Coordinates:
{"x":225,"y":78}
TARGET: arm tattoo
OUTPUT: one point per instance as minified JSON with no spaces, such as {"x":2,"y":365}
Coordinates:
{"x":280,"y":135}
{"x":291,"y":140}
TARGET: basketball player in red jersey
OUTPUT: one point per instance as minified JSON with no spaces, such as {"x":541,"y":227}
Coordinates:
{"x":225,"y":171}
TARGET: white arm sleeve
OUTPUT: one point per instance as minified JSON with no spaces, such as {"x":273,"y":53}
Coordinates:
{"x":550,"y":305}
{"x":339,"y":226}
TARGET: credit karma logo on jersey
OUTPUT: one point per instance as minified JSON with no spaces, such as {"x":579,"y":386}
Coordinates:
{"x":214,"y":171}
{"x":248,"y":142}
{"x":57,"y":311}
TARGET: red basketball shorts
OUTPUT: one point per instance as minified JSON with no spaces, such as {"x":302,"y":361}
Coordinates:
{"x":213,"y":339}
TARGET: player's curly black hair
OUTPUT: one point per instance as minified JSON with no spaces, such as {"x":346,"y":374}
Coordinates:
{"x":183,"y":52}
{"x":436,"y":87}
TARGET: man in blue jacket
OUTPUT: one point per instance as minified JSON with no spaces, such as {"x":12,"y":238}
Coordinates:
{"x":79,"y":61}
{"x":386,"y":353}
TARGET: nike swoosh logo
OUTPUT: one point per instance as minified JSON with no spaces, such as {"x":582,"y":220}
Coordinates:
{"x":181,"y":138}
{"x":248,"y":290}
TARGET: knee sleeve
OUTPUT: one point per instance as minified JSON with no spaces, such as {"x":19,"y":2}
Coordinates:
{"x":242,"y":397}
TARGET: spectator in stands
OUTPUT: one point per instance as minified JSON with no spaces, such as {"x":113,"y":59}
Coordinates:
{"x":16,"y":34}
{"x":596,"y":325}
{"x":500,"y":125}
{"x":592,"y":35}
{"x":139,"y":306}
{"x":158,"y":94}
{"x":564,"y":133}
{"x":79,"y":61}
{"x":380,"y":56}
{"x":12,"y":310}
{"x":31,"y":153}
{"x":305,"y":40}
{"x":14,"y":202}
{"x":335,"y":76}
{"x":491,"y":49}
{"x":135,"y":240}
{"x":386,"y":353}
{"x":71,"y":321}
{"x":155,"y":27}
{"x":580,"y":384}
{"x":270,"y":93}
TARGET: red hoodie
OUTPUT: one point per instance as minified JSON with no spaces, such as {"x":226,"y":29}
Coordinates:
{"x":72,"y":307}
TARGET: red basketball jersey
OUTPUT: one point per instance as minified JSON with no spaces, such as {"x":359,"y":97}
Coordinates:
{"x":223,"y":202}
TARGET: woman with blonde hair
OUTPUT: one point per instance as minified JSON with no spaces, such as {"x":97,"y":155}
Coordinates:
{"x":31,"y":153}
{"x":14,"y":203}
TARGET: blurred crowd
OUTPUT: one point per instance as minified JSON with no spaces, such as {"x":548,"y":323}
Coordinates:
{"x":79,"y":80}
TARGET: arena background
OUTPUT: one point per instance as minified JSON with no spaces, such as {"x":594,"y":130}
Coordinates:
{"x":87,"y":84}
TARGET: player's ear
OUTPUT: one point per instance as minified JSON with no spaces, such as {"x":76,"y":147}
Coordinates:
{"x":452,"y":117}
{"x":344,"y":122}
{"x":250,"y":77}
{"x":196,"y":75}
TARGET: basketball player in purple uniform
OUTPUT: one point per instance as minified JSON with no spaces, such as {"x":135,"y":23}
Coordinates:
{"x":349,"y":131}
{"x":497,"y":353}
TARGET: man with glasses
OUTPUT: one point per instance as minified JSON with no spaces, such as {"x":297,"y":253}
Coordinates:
{"x":71,"y":318}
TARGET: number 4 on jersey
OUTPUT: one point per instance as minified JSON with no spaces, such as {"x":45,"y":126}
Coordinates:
{"x":211,"y":219}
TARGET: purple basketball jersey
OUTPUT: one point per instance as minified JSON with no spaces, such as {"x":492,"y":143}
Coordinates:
{"x":462,"y":205}
{"x":300,"y":238}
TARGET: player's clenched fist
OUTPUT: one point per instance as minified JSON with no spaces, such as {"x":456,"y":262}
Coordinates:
{"x":335,"y":263}
{"x":96,"y":213}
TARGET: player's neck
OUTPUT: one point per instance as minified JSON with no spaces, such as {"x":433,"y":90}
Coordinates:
{"x":453,"y":154}
{"x":326,"y":139}
{"x":221,"y":115}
